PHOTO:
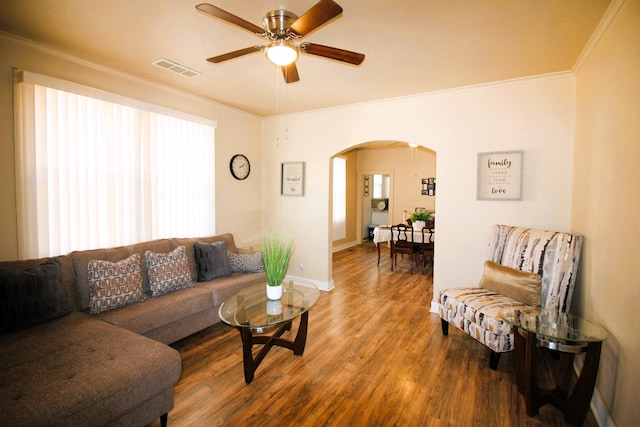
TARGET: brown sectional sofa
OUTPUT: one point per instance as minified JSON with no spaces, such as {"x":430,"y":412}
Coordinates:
{"x":112,"y":368}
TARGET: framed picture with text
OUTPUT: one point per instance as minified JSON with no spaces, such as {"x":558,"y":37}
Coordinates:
{"x":500,"y":175}
{"x":292,"y":179}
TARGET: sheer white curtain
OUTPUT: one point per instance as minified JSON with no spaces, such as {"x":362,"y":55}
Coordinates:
{"x":339,"y":198}
{"x":92,"y":173}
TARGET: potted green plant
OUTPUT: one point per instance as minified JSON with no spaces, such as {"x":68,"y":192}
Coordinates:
{"x":276,"y":253}
{"x":419,"y":219}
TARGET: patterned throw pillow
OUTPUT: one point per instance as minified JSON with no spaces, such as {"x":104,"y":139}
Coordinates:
{"x":114,"y":284}
{"x":211,"y":260}
{"x":245,"y":263}
{"x":168,"y":272}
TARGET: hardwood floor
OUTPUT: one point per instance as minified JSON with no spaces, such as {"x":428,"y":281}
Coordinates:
{"x":375,"y":356}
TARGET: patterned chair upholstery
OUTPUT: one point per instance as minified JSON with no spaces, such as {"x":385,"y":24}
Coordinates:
{"x":553,"y":255}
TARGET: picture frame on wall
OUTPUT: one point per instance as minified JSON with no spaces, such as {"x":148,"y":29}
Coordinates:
{"x":500,"y":175}
{"x":292,"y":179}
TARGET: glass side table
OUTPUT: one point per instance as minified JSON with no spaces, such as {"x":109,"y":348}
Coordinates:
{"x":255,"y":316}
{"x":567,"y":334}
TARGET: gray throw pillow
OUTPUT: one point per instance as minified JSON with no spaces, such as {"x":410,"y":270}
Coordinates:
{"x":211,"y":260}
{"x":31,"y":296}
{"x":246,"y":262}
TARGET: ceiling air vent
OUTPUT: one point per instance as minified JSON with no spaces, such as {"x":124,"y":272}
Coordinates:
{"x":176,"y":68}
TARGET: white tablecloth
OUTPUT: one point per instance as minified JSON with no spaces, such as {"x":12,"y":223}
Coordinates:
{"x":383,"y":234}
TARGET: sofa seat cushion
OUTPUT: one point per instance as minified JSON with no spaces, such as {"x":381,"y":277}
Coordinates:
{"x":476,"y":311}
{"x":225,"y":287}
{"x":78,"y":370}
{"x":153,"y":313}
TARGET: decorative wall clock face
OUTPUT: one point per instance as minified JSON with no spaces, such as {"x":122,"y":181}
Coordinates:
{"x":240,"y":166}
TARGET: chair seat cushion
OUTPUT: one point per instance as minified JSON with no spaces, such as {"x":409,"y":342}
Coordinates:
{"x":476,"y":312}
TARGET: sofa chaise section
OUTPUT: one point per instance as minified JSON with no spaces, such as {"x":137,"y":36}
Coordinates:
{"x":79,"y":371}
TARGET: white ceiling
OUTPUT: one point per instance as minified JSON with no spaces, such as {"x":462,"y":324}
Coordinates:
{"x":411,"y":46}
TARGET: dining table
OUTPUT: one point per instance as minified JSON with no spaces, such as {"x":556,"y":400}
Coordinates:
{"x":382,"y":234}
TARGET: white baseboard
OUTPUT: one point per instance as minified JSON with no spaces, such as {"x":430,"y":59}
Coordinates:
{"x":598,"y":406}
{"x":322,"y":285}
{"x":345,"y":246}
{"x":435,"y":307}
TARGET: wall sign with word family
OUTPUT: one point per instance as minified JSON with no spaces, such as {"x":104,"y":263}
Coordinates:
{"x":500,"y":175}
{"x":292,"y":179}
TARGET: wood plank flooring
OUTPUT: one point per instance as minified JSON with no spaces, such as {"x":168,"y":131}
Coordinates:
{"x":375,"y":356}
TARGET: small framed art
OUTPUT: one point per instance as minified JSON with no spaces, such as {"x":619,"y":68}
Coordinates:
{"x":292,"y":179}
{"x":500,"y":175}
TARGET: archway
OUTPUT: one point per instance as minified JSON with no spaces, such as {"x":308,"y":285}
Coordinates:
{"x":405,"y":165}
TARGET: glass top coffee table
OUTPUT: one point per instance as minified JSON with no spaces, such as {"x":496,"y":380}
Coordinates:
{"x":567,"y":334}
{"x":264,"y":321}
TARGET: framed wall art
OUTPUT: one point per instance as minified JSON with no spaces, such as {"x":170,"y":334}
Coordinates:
{"x":500,"y":175}
{"x":292,"y":179}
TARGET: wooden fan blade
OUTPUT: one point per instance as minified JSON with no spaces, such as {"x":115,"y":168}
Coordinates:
{"x":333,"y":53}
{"x":229,"y":17}
{"x":235,"y":54}
{"x":323,"y":11}
{"x":290,"y":73}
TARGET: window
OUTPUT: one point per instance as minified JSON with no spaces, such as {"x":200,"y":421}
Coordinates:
{"x":377,"y":186}
{"x":339,"y":198}
{"x":93,"y":173}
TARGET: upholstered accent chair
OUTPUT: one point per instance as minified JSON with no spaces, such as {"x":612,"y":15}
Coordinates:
{"x":513,"y":251}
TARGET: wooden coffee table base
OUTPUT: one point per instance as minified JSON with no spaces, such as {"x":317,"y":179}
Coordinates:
{"x":249,"y":340}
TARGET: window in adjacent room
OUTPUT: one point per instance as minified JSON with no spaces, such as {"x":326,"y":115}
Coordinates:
{"x":97,"y":170}
{"x":339,"y":198}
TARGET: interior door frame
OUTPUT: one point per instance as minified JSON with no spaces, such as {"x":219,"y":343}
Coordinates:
{"x":360,"y":205}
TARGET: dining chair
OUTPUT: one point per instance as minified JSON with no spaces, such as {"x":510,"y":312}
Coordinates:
{"x":402,"y":242}
{"x":425,"y":246}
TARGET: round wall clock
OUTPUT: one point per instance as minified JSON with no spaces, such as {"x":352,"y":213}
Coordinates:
{"x":240,"y":166}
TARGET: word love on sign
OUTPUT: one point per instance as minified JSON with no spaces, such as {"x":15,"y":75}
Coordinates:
{"x":500,"y":175}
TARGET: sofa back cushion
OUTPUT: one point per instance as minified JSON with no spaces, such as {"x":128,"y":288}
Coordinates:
{"x":81,"y":260}
{"x":553,"y":255}
{"x":31,"y":295}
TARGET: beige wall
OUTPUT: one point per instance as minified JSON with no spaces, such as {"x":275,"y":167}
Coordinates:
{"x":606,"y":205}
{"x":238,"y":203}
{"x":407,"y":166}
{"x":535,"y":115}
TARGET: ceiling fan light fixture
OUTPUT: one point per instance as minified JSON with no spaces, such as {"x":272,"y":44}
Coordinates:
{"x":282,"y":53}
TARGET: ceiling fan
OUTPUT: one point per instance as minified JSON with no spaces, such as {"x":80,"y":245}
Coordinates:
{"x":282,"y":28}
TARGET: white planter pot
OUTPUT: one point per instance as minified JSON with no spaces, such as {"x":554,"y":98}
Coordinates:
{"x":274,"y":292}
{"x":419,"y":225}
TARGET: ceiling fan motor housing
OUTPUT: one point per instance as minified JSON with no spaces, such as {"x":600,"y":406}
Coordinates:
{"x":277,"y":22}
